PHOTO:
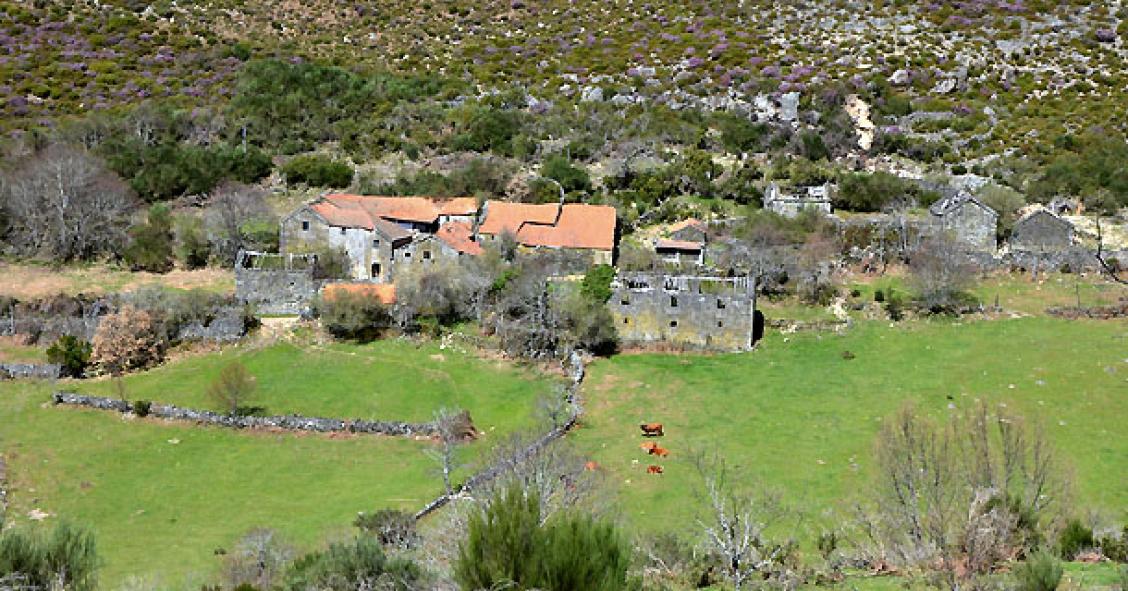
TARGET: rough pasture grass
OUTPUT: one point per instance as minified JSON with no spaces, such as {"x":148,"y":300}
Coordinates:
{"x":161,"y":508}
{"x":802,"y":419}
{"x":27,"y":281}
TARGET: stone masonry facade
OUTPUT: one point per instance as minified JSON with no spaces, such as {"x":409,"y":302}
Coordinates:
{"x":708,"y":313}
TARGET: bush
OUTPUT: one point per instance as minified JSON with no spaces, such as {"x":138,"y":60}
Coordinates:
{"x":361,"y":564}
{"x":352,"y":315}
{"x":596,"y":285}
{"x":571,"y":178}
{"x":126,"y":340}
{"x":332,"y":263}
{"x":392,"y":527}
{"x":871,"y":192}
{"x":233,"y":389}
{"x":141,"y":408}
{"x":1074,"y":539}
{"x":1040,"y":572}
{"x":1115,"y":548}
{"x":489,"y":130}
{"x":71,"y":353}
{"x":150,"y":247}
{"x":318,"y":171}
{"x":508,"y":544}
{"x":65,"y":558}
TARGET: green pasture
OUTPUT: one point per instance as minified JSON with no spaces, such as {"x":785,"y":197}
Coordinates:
{"x":799,"y":417}
{"x":164,"y":497}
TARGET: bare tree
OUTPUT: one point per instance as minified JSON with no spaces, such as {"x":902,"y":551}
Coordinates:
{"x":734,"y":527}
{"x":1113,"y":271}
{"x":63,"y":204}
{"x":229,"y":208}
{"x":941,"y":274}
{"x":126,"y":340}
{"x":450,"y":425}
{"x":259,"y":559}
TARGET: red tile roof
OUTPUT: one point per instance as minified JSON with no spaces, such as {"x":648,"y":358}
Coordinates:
{"x":574,"y":225}
{"x":459,"y":236}
{"x":358,"y":211}
{"x":384,"y":292}
{"x":664,"y":244}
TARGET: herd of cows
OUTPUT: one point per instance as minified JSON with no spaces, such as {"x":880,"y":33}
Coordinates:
{"x":652,"y":448}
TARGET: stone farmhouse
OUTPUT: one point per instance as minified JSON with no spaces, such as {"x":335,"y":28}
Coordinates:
{"x":967,"y":219}
{"x":1041,"y":230}
{"x":588,"y":229}
{"x":791,"y":205}
{"x":684,"y":243}
{"x":691,"y":312}
{"x":383,"y":235}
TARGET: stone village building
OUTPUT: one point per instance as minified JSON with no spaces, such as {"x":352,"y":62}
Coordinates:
{"x":588,"y":229}
{"x":684,"y":243}
{"x":1040,"y":230}
{"x":817,"y":198}
{"x":710,"y":313}
{"x":967,"y":219}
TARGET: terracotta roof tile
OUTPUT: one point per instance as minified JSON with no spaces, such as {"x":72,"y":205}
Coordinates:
{"x":502,"y":215}
{"x":459,"y":236}
{"x":410,"y":209}
{"x":579,"y":226}
{"x":664,"y":244}
{"x":384,"y":292}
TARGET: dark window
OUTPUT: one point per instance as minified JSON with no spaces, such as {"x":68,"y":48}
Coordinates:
{"x":624,"y":302}
{"x":673,"y":301}
{"x":426,"y":255}
{"x":720,"y":324}
{"x":720,"y":304}
{"x":375,"y":269}
{"x":375,"y":244}
{"x":305,"y":226}
{"x":626,"y":321}
{"x":673,"y":324}
{"x":342,"y":230}
{"x":407,"y":255}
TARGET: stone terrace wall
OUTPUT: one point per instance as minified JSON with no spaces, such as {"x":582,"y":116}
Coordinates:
{"x":697,"y":312}
{"x":43,"y":371}
{"x":284,"y":285}
{"x":287,"y":422}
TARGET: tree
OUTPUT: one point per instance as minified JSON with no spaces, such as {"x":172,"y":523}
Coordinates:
{"x":191,"y":242}
{"x":572,"y":179}
{"x":318,"y":171}
{"x":735,"y":525}
{"x":941,"y":275}
{"x":1006,"y":201}
{"x":150,"y":247}
{"x":126,"y":340}
{"x":596,"y":285}
{"x":393,"y":527}
{"x":229,"y":209}
{"x":352,"y":315}
{"x":871,"y":192}
{"x":62,"y":204}
{"x":259,"y":559}
{"x":349,"y":566}
{"x":233,"y":389}
{"x":451,"y":427}
{"x":71,"y":353}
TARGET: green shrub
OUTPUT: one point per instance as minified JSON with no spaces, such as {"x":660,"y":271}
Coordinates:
{"x":1040,"y":572}
{"x":1115,"y":548}
{"x":1074,"y":539}
{"x":65,"y":558}
{"x":352,"y":315}
{"x":71,"y":353}
{"x":571,"y":178}
{"x":141,"y":408}
{"x":489,"y":130}
{"x":361,"y":564}
{"x":871,"y":192}
{"x":151,"y":244}
{"x":596,"y":285}
{"x":318,"y":171}
{"x":508,"y":545}
{"x":391,"y":526}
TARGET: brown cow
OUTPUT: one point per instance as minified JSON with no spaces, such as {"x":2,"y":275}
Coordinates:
{"x":648,"y":446}
{"x":651,"y":429}
{"x":659,"y":451}
{"x":591,"y":466}
{"x":652,"y":469}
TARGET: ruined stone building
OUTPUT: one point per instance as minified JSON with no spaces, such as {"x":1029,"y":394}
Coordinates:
{"x":1040,"y":230}
{"x":710,"y":313}
{"x":815,"y":198}
{"x":590,"y":230}
{"x":967,"y":220}
{"x":381,"y":235}
{"x":683,"y":243}
{"x":275,"y":283}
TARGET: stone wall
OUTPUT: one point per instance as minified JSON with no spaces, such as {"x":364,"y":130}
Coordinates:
{"x":228,"y":324}
{"x":286,"y":422}
{"x":42,"y":371}
{"x":1041,"y":231}
{"x":275,"y":284}
{"x":971,"y":224}
{"x":692,"y":312}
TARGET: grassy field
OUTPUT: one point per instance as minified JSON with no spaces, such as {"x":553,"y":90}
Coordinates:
{"x":26,"y":281}
{"x":162,"y":497}
{"x":802,"y":419}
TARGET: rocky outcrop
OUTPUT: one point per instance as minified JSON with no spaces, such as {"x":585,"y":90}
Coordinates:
{"x":43,"y":371}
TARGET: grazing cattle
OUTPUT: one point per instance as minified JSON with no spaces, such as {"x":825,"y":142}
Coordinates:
{"x":591,"y":466}
{"x":648,"y":446}
{"x":652,"y":469}
{"x":652,"y":429}
{"x":659,"y":451}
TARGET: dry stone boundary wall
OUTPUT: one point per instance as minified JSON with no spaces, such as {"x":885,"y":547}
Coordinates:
{"x":283,"y":422}
{"x":576,"y":378}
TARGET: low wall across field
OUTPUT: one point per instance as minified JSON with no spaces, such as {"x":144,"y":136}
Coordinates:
{"x":43,"y":371}
{"x":284,"y":422}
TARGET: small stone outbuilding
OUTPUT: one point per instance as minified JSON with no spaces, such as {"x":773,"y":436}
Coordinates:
{"x":1040,"y":230}
{"x":968,"y":220}
{"x":815,"y":198}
